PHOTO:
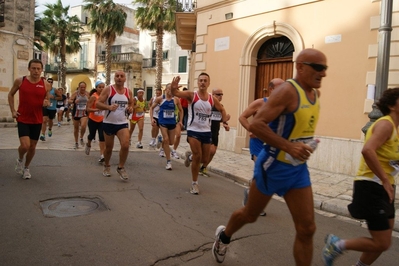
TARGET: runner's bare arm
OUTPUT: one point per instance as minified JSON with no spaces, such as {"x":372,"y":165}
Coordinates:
{"x":14,"y":89}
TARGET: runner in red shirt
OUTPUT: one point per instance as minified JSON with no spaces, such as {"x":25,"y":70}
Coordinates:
{"x":34,"y":93}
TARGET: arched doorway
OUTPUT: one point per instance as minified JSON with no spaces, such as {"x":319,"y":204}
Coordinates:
{"x":274,"y":60}
{"x":79,"y":78}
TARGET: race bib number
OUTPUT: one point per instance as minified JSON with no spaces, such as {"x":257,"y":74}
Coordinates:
{"x":121,"y":105}
{"x":168,"y":114}
{"x":202,"y":118}
{"x":81,"y":107}
{"x":99,"y":113}
{"x":216,"y":116}
{"x":60,"y":102}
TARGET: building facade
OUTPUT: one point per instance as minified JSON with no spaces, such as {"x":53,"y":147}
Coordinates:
{"x":175,"y":61}
{"x":242,"y":45}
{"x":16,"y":46}
{"x":88,"y":65}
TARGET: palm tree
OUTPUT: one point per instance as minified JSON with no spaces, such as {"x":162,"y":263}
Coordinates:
{"x":107,"y":21}
{"x":158,"y":16}
{"x":61,"y":33}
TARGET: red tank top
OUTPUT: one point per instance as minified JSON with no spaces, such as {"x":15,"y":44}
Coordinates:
{"x":31,"y":98}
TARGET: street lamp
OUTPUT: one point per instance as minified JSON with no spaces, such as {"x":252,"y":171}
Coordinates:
{"x":382,"y":71}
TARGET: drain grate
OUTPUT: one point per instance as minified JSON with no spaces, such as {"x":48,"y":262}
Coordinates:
{"x":69,"y":207}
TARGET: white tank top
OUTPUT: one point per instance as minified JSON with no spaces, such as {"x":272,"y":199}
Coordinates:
{"x":117,"y":117}
{"x":156,"y":108}
{"x":199,"y":114}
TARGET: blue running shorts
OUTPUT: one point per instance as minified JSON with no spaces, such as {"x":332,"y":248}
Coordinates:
{"x":275,"y":177}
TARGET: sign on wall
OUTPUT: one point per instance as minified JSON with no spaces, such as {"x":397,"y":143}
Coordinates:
{"x":222,"y":44}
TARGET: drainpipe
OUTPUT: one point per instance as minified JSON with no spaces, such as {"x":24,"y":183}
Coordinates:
{"x":382,"y":71}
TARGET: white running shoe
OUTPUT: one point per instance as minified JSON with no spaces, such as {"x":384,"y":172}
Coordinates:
{"x":122,"y":173}
{"x":175,"y":155}
{"x":152,"y":143}
{"x":107,"y":171}
{"x":187,"y":160}
{"x":159,"y":142}
{"x":194,"y":189}
{"x":168,"y":166}
{"x":219,"y":249}
{"x":19,"y":167}
{"x":26,"y":174}
{"x":162,"y":153}
{"x":87,"y":149}
{"x":139,"y":145}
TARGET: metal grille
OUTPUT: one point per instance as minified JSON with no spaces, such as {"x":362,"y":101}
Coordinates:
{"x":186,"y":5}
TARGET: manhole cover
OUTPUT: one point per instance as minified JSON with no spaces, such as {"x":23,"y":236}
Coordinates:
{"x":68,"y":207}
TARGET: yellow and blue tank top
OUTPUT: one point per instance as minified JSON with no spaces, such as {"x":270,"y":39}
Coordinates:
{"x":299,"y":125}
{"x":387,"y":154}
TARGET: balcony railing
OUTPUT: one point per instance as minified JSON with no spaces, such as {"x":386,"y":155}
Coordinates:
{"x":70,"y":66}
{"x":149,"y":63}
{"x":186,"y":5}
{"x":122,"y":58}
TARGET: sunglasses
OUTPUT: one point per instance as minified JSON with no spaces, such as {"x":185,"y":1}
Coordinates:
{"x":219,"y":94}
{"x":317,"y":67}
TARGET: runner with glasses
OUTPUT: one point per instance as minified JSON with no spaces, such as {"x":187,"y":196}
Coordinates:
{"x":285,"y":128}
{"x":216,"y":119}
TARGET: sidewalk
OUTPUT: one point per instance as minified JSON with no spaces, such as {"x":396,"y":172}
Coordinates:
{"x":332,"y":192}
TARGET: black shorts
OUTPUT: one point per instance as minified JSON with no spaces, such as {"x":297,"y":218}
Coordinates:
{"x":156,"y":119}
{"x":31,"y":130}
{"x":215,"y":138}
{"x":203,"y":137}
{"x":49,"y":113}
{"x":168,"y":126}
{"x":112,"y":129}
{"x":371,"y":203}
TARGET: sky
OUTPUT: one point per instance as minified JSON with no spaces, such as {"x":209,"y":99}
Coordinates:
{"x":72,"y":3}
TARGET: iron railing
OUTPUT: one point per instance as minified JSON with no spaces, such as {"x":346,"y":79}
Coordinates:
{"x":122,"y":58}
{"x":186,"y":5}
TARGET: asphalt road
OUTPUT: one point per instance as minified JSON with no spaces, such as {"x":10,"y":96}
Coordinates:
{"x":150,"y":220}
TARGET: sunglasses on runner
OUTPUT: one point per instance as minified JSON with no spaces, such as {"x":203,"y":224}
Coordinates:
{"x":317,"y":67}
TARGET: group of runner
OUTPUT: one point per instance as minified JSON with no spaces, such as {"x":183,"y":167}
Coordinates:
{"x":285,"y":123}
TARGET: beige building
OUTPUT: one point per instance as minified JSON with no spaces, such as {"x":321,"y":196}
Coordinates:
{"x":175,"y":61}
{"x":242,"y":45}
{"x":88,"y":64}
{"x":16,"y":46}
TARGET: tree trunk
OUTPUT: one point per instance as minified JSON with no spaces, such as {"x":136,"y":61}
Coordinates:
{"x":159,"y":57}
{"x":108,"y":62}
{"x":63,"y":62}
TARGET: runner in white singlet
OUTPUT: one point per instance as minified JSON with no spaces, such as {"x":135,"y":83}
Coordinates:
{"x":199,"y":134}
{"x":116,"y":100}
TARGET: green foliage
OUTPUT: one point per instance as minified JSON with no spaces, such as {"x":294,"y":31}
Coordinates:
{"x":158,"y":16}
{"x":60,"y":33}
{"x":107,"y":21}
{"x":152,"y":14}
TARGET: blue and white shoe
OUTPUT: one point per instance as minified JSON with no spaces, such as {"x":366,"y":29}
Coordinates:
{"x":330,"y":250}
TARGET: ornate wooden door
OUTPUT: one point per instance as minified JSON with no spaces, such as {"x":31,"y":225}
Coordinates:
{"x":274,"y":61}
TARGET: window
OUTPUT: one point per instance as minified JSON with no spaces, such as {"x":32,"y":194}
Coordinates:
{"x":37,"y":55}
{"x":116,"y":49}
{"x":2,"y":8}
{"x":182,"y":64}
{"x":165,"y":55}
